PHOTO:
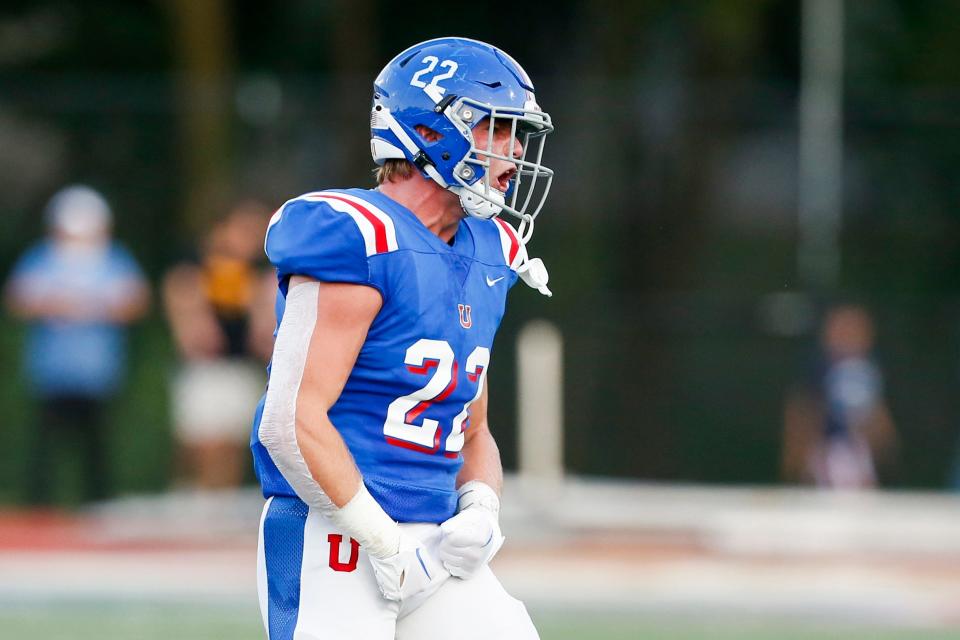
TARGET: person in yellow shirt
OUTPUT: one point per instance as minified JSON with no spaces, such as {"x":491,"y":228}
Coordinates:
{"x":220,"y":310}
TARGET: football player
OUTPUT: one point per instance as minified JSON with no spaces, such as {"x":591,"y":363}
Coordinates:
{"x":371,"y":443}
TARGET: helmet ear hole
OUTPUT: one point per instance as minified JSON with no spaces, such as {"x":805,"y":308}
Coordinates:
{"x":428,"y":134}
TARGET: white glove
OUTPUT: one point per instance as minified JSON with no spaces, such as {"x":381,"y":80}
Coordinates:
{"x":402,"y":564}
{"x":412,"y":571}
{"x":472,"y":537}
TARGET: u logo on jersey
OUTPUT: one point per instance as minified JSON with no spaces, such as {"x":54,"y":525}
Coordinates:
{"x":466,"y":321}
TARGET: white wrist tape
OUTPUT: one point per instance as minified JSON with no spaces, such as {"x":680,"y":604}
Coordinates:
{"x":478,"y":494}
{"x":367,"y":523}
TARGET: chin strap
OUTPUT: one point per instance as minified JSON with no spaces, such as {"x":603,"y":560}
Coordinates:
{"x":534,"y":274}
{"x":531,"y":270}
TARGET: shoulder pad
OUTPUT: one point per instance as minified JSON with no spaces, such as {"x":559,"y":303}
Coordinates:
{"x":328,"y":235}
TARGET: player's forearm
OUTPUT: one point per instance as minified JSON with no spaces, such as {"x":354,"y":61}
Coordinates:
{"x":351,"y":507}
{"x":316,"y":462}
{"x":326,"y":456}
{"x":472,"y":536}
{"x":481,"y":460}
{"x":132,"y":307}
{"x":25,"y":305}
{"x":311,"y":360}
{"x":25,"y":309}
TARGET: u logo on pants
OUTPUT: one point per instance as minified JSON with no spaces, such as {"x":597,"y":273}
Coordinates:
{"x":350,"y":565}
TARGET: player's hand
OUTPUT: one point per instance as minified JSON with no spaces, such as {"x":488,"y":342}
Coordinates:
{"x":410,"y":572}
{"x":472,"y":537}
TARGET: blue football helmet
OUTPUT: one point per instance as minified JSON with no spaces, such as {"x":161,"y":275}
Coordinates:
{"x":450,"y":85}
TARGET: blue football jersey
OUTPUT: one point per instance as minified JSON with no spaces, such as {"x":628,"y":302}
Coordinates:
{"x":405,"y":405}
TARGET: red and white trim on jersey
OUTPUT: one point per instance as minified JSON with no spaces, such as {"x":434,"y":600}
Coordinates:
{"x":376,"y":227}
{"x":379,"y":233}
{"x":510,"y":244}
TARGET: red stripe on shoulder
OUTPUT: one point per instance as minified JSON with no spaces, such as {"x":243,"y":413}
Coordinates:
{"x":514,"y":242}
{"x":379,"y":229}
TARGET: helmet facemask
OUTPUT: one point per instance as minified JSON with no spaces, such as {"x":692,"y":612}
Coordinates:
{"x":529,"y":186}
{"x":450,"y":85}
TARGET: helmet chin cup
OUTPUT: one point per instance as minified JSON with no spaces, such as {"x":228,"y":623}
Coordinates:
{"x":479,"y":206}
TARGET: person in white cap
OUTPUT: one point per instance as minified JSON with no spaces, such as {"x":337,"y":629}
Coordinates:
{"x":76,"y":290}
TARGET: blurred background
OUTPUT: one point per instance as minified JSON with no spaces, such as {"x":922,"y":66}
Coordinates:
{"x":753,"y":244}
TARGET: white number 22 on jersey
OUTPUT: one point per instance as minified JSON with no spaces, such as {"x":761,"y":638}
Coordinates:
{"x":433,"y":89}
{"x":423,"y":356}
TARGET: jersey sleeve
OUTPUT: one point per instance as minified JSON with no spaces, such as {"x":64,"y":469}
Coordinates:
{"x":124,"y":266}
{"x":29,"y":263}
{"x":311,"y":238}
{"x":31,"y":277}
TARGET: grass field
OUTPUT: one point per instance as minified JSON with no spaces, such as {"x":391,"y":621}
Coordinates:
{"x":670,"y":563}
{"x":137,"y":621}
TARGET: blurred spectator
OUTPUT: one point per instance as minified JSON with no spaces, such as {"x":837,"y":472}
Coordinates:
{"x":837,"y":427}
{"x":77,"y":290}
{"x":220,"y":308}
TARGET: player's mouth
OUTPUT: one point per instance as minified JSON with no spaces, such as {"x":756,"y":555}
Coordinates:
{"x":503,"y":180}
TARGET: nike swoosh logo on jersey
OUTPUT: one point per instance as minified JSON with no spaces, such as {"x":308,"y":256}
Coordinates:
{"x":491,"y":282}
